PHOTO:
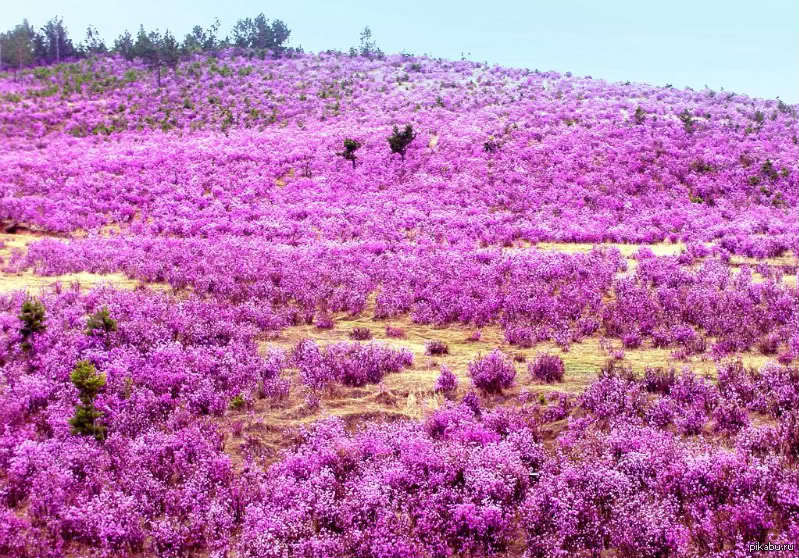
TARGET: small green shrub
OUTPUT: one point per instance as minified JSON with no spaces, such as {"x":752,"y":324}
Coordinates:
{"x":687,"y":120}
{"x":350,"y":147}
{"x":32,"y":316}
{"x":769,"y":171}
{"x":237,"y":402}
{"x":89,"y":383}
{"x":101,"y":323}
{"x":399,"y":141}
{"x":702,"y":167}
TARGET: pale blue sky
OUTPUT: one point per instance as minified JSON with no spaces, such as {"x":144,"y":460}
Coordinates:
{"x":747,"y":46}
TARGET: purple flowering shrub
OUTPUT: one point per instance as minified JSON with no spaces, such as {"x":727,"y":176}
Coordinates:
{"x":168,"y":368}
{"x":324,"y":321}
{"x":436,"y":348}
{"x":467,"y":478}
{"x":351,"y":364}
{"x":447,"y":382}
{"x":360,"y":334}
{"x":547,"y":368}
{"x":395,"y":332}
{"x":493,"y":372}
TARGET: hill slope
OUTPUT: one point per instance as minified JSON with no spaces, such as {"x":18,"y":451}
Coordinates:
{"x":630,"y":230}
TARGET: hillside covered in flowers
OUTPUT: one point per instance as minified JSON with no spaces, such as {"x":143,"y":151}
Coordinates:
{"x":558,"y":317}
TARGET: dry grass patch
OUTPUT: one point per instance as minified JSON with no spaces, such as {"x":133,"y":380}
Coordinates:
{"x":35,"y":284}
{"x":409,"y":394}
{"x":786,"y":260}
{"x":627,"y":250}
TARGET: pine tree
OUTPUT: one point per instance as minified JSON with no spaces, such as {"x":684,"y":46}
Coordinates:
{"x":17,"y":46}
{"x":32,"y":315}
{"x":350,"y":147}
{"x":89,"y":383}
{"x":399,"y":141}
{"x":101,"y":323}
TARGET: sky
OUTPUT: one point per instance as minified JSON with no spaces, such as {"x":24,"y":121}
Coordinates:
{"x":745,"y":46}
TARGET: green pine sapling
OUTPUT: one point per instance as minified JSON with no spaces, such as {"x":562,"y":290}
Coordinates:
{"x":350,"y":147}
{"x":687,"y":121}
{"x":399,"y":141}
{"x":89,"y":383}
{"x":32,"y":316}
{"x":101,"y":323}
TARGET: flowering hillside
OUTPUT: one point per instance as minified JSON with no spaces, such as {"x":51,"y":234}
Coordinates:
{"x":325,"y":355}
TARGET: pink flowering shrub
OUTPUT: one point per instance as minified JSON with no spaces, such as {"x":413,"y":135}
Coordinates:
{"x":473,"y":477}
{"x":447,"y":382}
{"x":493,"y":372}
{"x":360,"y":334}
{"x":352,"y":364}
{"x":547,"y":368}
{"x":394,"y":332}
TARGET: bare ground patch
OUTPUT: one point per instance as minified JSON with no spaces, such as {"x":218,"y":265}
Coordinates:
{"x":409,"y":394}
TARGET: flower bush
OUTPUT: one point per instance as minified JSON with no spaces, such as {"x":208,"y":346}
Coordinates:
{"x":547,"y":368}
{"x":493,"y":372}
{"x":447,"y":382}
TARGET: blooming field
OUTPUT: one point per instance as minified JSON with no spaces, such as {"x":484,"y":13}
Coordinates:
{"x":564,"y":323}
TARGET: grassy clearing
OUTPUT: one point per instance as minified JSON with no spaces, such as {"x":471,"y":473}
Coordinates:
{"x":405,"y":395}
{"x":788,"y":260}
{"x":409,"y":394}
{"x":627,"y":250}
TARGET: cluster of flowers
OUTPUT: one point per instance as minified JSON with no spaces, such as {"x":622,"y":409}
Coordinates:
{"x":483,"y":482}
{"x":273,"y":216}
{"x":493,"y":372}
{"x":171,"y":367}
{"x":352,"y":364}
{"x":678,"y":453}
{"x":535,"y":295}
{"x":263,"y":226}
{"x":570,"y":161}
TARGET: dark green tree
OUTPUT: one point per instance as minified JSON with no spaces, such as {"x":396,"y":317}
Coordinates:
{"x":201,"y":39}
{"x":145,"y":46}
{"x":156,"y":50}
{"x":280,"y":34}
{"x":350,"y":147}
{"x":52,"y":42}
{"x":17,"y":46}
{"x":687,"y":120}
{"x":32,"y":316}
{"x":101,"y":323}
{"x":367,"y":47}
{"x":399,"y":141}
{"x":123,"y":45}
{"x":259,"y":33}
{"x":169,"y":50}
{"x":89,"y":383}
{"x":93,"y":44}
